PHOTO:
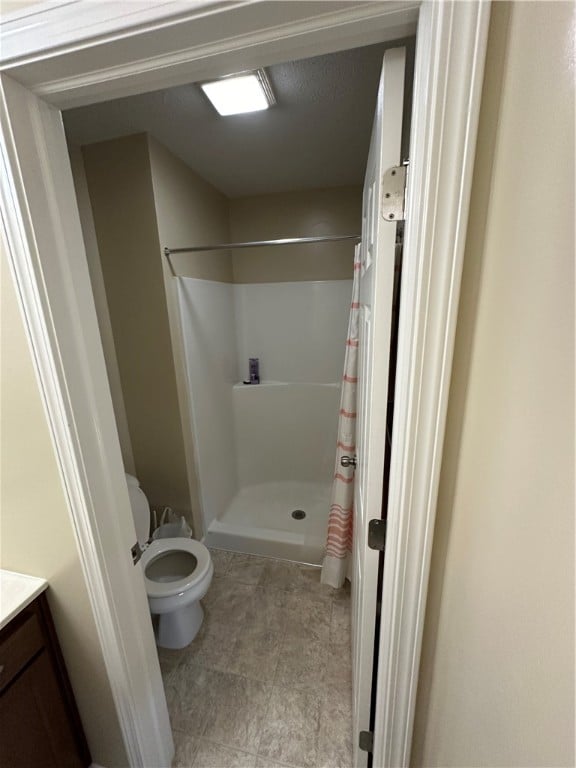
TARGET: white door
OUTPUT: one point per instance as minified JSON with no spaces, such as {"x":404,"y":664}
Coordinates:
{"x":376,"y":289}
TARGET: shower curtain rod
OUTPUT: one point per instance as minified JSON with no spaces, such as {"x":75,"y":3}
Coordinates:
{"x":261,"y":243}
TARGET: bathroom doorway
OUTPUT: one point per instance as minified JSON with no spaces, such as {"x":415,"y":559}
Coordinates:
{"x":262,"y":449}
{"x":250,"y":467}
{"x":445,"y":78}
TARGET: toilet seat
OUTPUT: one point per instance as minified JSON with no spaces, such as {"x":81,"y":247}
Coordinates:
{"x":160,"y":547}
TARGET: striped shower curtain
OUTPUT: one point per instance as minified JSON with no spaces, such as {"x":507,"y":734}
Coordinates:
{"x":339,"y":541}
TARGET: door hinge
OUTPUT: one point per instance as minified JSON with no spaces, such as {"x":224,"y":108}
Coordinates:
{"x":366,"y":741}
{"x":377,"y":534}
{"x":394,"y":193}
{"x":136,"y":552}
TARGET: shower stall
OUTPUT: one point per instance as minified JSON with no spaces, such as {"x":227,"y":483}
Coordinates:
{"x":265,"y":452}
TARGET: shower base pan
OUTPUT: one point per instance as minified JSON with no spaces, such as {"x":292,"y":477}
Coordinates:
{"x":260,"y":521}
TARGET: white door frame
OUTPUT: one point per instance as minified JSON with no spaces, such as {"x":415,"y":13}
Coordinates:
{"x":69,"y":57}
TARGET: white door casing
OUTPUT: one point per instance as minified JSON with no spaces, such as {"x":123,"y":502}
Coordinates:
{"x":47,"y":257}
{"x":375,"y":318}
{"x":48,"y":262}
{"x":446,"y":106}
{"x":103,"y":50}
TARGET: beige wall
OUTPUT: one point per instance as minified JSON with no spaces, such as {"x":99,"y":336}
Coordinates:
{"x":120,"y":185}
{"x":36,"y":533}
{"x":308,"y":213}
{"x":101,"y":302}
{"x":143,"y":198}
{"x":188,"y":211}
{"x":497,"y":678}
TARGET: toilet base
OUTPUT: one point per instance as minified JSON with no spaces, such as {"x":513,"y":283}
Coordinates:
{"x":178,"y":628}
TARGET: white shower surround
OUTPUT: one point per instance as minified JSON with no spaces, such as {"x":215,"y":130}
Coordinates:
{"x":297,"y":329}
{"x":265,"y":450}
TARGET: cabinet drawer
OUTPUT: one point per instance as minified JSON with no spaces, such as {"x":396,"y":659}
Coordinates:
{"x":18,"y":647}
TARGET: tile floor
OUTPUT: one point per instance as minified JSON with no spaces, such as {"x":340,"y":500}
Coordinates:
{"x":268,"y":680}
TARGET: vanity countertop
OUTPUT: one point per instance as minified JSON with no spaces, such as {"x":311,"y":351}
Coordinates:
{"x":16,"y":592}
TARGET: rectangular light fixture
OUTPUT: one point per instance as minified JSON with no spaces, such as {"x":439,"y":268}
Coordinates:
{"x":237,"y":94}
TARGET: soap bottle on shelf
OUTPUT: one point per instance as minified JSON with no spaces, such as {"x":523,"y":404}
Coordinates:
{"x":254,"y":370}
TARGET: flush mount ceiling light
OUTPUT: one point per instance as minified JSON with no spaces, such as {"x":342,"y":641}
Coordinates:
{"x":237,"y":94}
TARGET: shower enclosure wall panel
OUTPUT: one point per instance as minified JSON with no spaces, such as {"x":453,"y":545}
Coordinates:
{"x":289,"y":432}
{"x":286,"y":464}
{"x":297,"y":329}
{"x":207,"y":314}
{"x":286,"y":426}
{"x":267,"y":450}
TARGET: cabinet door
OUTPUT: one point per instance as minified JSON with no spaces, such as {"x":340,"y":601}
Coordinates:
{"x":34,"y":728}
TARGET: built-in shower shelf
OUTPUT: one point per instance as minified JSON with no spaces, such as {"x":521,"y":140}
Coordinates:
{"x":266,"y":384}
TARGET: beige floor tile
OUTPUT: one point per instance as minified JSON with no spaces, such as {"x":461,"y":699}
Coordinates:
{"x":266,"y":610}
{"x":210,"y":755}
{"x":220,"y":561}
{"x":339,"y":669}
{"x":212,"y":647}
{"x":169,"y":660}
{"x":308,"y":616}
{"x":291,"y":727}
{"x":237,"y":710}
{"x":185,"y":748}
{"x":265,"y":762}
{"x":191,"y":695}
{"x":335,"y":739}
{"x":341,"y":622}
{"x":227,"y":601}
{"x":265,"y":621}
{"x":246,"y":569}
{"x":290,"y":577}
{"x":255,"y":654}
{"x":281,"y":574}
{"x":170,"y":693}
{"x":310,"y":581}
{"x":341,"y":619}
{"x":217,"y":587}
{"x":344,"y":593}
{"x":302,"y":663}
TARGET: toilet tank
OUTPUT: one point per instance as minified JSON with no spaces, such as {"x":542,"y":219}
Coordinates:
{"x":140,"y":509}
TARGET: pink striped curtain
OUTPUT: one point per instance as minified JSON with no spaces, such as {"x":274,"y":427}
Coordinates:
{"x":339,"y":541}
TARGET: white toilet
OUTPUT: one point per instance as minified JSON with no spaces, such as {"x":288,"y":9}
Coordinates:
{"x":177,"y":575}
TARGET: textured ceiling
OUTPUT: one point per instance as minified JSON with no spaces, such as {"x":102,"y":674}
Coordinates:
{"x":317,"y":135}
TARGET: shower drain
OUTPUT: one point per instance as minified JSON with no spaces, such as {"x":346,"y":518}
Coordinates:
{"x":298,"y":514}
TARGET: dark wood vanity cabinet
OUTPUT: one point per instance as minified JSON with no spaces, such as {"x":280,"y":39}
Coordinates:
{"x":39,"y":722}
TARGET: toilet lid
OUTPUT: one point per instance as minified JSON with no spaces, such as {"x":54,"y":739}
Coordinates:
{"x":165,"y":546}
